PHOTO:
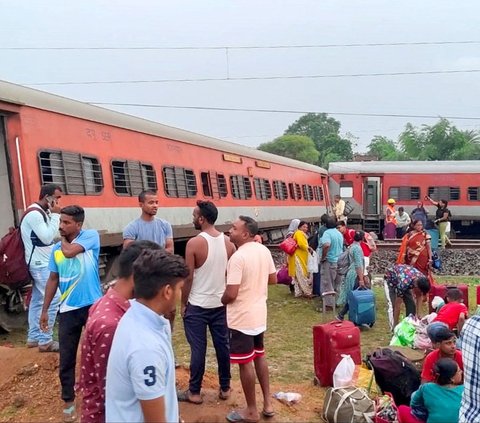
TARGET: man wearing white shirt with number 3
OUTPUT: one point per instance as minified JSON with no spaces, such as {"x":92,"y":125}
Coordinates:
{"x":140,"y":384}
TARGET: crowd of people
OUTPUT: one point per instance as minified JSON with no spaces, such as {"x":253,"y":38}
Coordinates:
{"x":127,"y":366}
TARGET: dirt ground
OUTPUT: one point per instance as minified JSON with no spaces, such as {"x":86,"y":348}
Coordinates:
{"x":30,"y":392}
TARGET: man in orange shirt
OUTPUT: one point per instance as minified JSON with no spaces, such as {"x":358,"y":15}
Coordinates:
{"x":249,"y":271}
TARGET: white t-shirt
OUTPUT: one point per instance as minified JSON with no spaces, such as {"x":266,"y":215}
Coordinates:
{"x":141,"y":366}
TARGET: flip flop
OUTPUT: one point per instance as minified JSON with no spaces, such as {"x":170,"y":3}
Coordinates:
{"x":184,"y":396}
{"x":235,"y":417}
{"x":224,"y":395}
{"x":268,"y":414}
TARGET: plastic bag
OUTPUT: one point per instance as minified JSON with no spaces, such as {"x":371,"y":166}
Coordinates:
{"x":312,"y":263}
{"x":404,"y":333}
{"x":343,"y":374}
{"x":283,"y":276}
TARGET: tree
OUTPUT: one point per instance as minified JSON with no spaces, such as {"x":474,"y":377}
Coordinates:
{"x":325,"y":133}
{"x":296,"y":147}
{"x":441,"y":141}
{"x":384,"y":148}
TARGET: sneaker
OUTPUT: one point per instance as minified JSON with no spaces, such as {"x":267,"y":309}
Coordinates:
{"x":339,"y":318}
{"x":50,"y":347}
{"x":69,"y":414}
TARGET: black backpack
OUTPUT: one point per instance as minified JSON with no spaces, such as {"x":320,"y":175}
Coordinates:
{"x":394,"y":373}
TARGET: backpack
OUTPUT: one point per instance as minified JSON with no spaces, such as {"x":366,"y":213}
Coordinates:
{"x":394,"y":373}
{"x":313,"y":240}
{"x":343,"y":262}
{"x":348,"y":405}
{"x":14,"y":271}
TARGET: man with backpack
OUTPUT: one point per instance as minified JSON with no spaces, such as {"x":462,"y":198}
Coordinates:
{"x":38,"y":228}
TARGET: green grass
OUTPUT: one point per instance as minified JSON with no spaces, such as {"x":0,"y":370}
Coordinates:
{"x":288,"y":341}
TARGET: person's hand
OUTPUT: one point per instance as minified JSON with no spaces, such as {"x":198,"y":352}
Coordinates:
{"x":44,"y":321}
{"x":54,"y":207}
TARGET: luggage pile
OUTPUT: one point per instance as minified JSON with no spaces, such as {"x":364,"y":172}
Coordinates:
{"x":357,"y":393}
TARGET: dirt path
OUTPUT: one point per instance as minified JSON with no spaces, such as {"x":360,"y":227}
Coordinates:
{"x":29,"y":392}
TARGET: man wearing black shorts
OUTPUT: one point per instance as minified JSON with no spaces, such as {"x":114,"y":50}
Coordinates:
{"x":249,"y":271}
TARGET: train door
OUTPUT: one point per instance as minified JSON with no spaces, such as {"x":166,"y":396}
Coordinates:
{"x":372,"y":205}
{"x":6,"y":203}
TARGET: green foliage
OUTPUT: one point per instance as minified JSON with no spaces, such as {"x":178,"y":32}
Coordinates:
{"x":441,"y":141}
{"x":293,"y":146}
{"x":325,"y":133}
{"x":384,"y":149}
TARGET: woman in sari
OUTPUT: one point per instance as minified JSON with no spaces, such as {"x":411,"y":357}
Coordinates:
{"x":416,"y":250}
{"x":355,"y":276}
{"x":297,"y":262}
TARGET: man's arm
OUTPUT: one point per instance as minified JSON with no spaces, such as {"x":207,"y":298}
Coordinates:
{"x":45,"y":231}
{"x":435,"y":203}
{"x":230,"y":294}
{"x":325,"y":248}
{"x":461,"y":322}
{"x":272,"y":278}
{"x":396,"y":309}
{"x":153,"y":410}
{"x":70,"y":250}
{"x":418,"y":305}
{"x":50,"y":291}
{"x":169,"y":246}
{"x":190,"y":262}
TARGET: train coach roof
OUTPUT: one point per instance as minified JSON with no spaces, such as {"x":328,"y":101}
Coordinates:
{"x":20,"y":95}
{"x":462,"y":166}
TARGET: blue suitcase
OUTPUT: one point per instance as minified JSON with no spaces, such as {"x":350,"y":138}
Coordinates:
{"x":361,"y":303}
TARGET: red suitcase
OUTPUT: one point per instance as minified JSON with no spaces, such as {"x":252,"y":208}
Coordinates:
{"x":330,"y":341}
{"x":441,"y":291}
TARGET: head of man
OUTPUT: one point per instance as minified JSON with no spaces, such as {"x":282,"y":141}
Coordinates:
{"x":445,"y":341}
{"x":158,"y":280}
{"x":337,"y":198}
{"x":243,"y":230}
{"x":71,"y":221}
{"x":391,"y":202}
{"x":331,"y":222}
{"x":419,"y":204}
{"x":324,"y":219}
{"x":443,"y":204}
{"x":342,"y":227}
{"x":148,"y":201}
{"x":401,"y":210}
{"x":205,"y":214}
{"x":49,"y":196}
{"x":126,"y":259}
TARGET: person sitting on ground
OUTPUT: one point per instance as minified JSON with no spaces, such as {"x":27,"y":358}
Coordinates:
{"x":444,"y":343}
{"x":402,"y":283}
{"x":347,"y":233}
{"x":454,"y":312}
{"x":438,"y":402}
{"x":403,"y":221}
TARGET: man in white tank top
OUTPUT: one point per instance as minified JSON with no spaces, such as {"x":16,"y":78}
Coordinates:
{"x":206,"y":256}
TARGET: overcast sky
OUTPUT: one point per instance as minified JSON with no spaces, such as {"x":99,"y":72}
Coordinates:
{"x":228,"y":23}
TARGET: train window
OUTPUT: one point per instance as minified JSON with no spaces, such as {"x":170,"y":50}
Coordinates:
{"x":179,"y":182}
{"x":295,"y":191}
{"x":404,"y":193}
{"x":241,"y":187}
{"x":318,"y":193}
{"x":346,"y":189}
{"x":280,"y":190}
{"x":308,"y":192}
{"x":73,"y":172}
{"x":473,"y":193}
{"x":444,"y":193}
{"x":213,"y":184}
{"x":263,"y":189}
{"x":130,"y":177}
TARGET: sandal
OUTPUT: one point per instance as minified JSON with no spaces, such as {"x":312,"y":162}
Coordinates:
{"x":235,"y":417}
{"x":224,"y":395}
{"x":268,"y":414}
{"x":50,"y":347}
{"x":69,"y":414}
{"x":184,"y":396}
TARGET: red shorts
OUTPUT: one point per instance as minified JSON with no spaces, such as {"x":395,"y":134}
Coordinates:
{"x":245,"y":348}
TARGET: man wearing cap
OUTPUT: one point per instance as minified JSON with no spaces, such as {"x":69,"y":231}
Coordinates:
{"x":390,"y":220}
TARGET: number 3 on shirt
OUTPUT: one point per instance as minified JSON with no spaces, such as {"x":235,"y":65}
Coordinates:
{"x":152,"y":377}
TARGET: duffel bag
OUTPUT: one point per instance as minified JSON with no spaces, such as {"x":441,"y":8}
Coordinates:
{"x":348,"y":405}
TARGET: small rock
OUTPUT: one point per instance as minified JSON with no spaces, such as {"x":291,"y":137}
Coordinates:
{"x":19,"y":401}
{"x":28,"y":370}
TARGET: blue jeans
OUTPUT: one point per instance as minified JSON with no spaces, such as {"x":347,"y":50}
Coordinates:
{"x":195,"y":322}
{"x":40,"y":278}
